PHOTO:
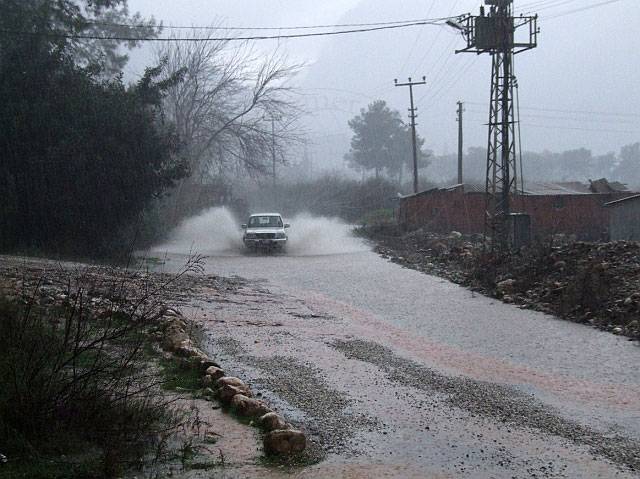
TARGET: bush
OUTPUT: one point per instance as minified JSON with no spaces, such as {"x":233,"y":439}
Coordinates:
{"x":331,"y":196}
{"x":77,"y":382}
{"x":81,"y":158}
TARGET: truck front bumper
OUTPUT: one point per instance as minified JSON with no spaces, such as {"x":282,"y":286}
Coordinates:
{"x":265,"y":242}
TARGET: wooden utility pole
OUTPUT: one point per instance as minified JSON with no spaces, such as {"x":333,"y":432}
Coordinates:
{"x":460,"y":142}
{"x":412,"y":117}
{"x":273,"y":153}
{"x":273,"y":160}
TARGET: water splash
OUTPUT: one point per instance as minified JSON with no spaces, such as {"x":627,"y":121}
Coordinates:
{"x":216,"y":232}
{"x":315,"y":236}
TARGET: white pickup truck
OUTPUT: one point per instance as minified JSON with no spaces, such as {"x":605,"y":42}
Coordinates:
{"x":265,"y":230}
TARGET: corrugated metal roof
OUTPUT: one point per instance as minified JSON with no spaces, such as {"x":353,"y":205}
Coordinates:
{"x":474,"y":187}
{"x":566,"y":188}
{"x":628,"y":198}
{"x":534,"y":188}
{"x":539,"y":188}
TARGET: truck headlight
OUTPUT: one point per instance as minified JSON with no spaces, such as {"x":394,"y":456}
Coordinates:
{"x":280,"y":236}
{"x":250,"y":236}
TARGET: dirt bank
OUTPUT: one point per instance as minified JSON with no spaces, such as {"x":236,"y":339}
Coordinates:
{"x":591,"y":283}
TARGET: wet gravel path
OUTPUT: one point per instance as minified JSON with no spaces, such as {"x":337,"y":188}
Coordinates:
{"x":308,"y":400}
{"x":389,"y":370}
{"x":363,"y":403}
{"x":495,"y":401}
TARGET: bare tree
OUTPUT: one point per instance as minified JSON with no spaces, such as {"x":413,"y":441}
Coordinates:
{"x":234,"y":109}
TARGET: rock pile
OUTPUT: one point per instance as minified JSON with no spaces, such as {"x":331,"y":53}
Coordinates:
{"x":593,"y":283}
{"x":448,"y":256}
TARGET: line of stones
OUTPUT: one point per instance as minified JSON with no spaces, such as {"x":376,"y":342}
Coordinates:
{"x":280,"y":437}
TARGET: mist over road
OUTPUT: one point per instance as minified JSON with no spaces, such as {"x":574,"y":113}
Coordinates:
{"x":216,"y":232}
{"x":442,"y":373}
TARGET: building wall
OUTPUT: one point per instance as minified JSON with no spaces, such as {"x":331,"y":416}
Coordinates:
{"x":625,"y":221}
{"x":450,"y":210}
{"x":443,"y":211}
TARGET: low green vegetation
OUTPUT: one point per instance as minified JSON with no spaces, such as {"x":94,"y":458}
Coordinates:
{"x":43,"y":468}
{"x":380,"y":216}
{"x":78,"y":398}
{"x":334,"y":196}
{"x":179,"y":375}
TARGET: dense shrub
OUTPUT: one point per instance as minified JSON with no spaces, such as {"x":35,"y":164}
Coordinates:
{"x":73,"y":382}
{"x":331,"y":195}
{"x":81,"y":157}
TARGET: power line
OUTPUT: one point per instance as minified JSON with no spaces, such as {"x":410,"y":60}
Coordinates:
{"x":563,"y":126}
{"x":582,"y":9}
{"x":543,"y":5}
{"x":298,"y":27}
{"x":221,"y":39}
{"x":551,"y":4}
{"x":534,"y":125}
{"x":431,"y":44}
{"x":558,"y":110}
{"x":460,"y":66}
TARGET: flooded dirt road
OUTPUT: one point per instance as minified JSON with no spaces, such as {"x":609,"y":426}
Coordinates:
{"x":394,"y":373}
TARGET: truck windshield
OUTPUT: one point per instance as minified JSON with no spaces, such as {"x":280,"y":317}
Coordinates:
{"x":265,"y":222}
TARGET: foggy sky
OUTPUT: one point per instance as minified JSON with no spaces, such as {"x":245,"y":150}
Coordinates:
{"x":586,"y":61}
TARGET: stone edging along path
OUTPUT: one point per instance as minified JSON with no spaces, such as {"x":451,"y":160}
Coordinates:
{"x":279,"y":438}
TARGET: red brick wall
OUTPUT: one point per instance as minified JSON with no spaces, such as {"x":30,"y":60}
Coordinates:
{"x":580,"y":215}
{"x":444,"y":211}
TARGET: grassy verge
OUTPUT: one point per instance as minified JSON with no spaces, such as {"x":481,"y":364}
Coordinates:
{"x":80,"y":395}
{"x":180,"y":375}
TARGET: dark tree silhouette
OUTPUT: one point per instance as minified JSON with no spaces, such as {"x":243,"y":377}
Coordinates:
{"x":81,"y":157}
{"x":381,"y":141}
{"x":68,"y":24}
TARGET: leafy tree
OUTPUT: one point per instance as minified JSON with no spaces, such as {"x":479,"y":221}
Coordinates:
{"x":81,"y":157}
{"x":73,"y":25}
{"x":401,"y":154}
{"x":603,"y":165}
{"x":475,"y":164}
{"x":576,"y":164}
{"x":381,"y":141}
{"x":628,"y":169}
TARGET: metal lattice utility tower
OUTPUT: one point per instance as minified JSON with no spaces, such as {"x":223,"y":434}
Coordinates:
{"x":460,"y":141}
{"x":494,"y":32}
{"x":412,"y":116}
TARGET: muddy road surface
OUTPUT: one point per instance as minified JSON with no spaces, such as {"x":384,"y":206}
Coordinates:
{"x":394,"y":373}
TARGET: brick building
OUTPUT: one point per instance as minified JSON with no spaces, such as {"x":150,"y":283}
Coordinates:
{"x":569,"y":208}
